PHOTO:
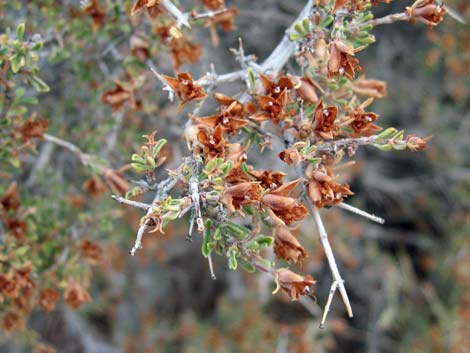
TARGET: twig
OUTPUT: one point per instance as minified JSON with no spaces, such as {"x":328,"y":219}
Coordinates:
{"x":144,"y":206}
{"x":7,"y":101}
{"x":182,"y":19}
{"x":338,"y":281}
{"x":84,"y":157}
{"x":360,"y":212}
{"x":163,"y":187}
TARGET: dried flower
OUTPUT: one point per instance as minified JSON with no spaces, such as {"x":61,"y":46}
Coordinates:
{"x":341,"y":61}
{"x":305,"y":88}
{"x":140,"y":5}
{"x":271,"y":108}
{"x":291,"y":156}
{"x":324,"y":121}
{"x":370,"y":88}
{"x":323,"y":190}
{"x":41,"y":348}
{"x":97,"y":14}
{"x":426,"y":11}
{"x":286,"y":246}
{"x":416,"y":143}
{"x":33,"y":128}
{"x":268,"y":178}
{"x":276,"y":89}
{"x":224,"y":19}
{"x":292,"y":284}
{"x":12,"y":322}
{"x":213,"y":144}
{"x":76,"y":295}
{"x":185,"y":88}
{"x":91,"y":251}
{"x":118,"y":96}
{"x":94,"y":186}
{"x":139,"y":44}
{"x":213,"y":4}
{"x":282,"y":208}
{"x":115,"y":180}
{"x":9,"y":285}
{"x":10,"y":200}
{"x":48,"y":298}
{"x":362,"y":122}
{"x":230,"y":116}
{"x":241,"y":195}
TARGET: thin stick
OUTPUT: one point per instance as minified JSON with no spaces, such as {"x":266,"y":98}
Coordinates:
{"x":182,"y":19}
{"x":333,"y":287}
{"x":211,"y":267}
{"x":144,"y":206}
{"x":330,"y":256}
{"x":360,"y":212}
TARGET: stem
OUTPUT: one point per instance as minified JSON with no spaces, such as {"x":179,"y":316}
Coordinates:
{"x":84,"y":157}
{"x":360,"y":212}
{"x":144,"y":206}
{"x":182,"y":19}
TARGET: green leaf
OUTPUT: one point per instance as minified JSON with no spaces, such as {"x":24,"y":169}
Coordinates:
{"x":327,"y":21}
{"x":20,"y":31}
{"x":248,"y":267}
{"x":264,"y":240}
{"x":17,"y":62}
{"x":207,"y":243}
{"x":158,"y":146}
{"x":136,"y":158}
{"x":38,"y":84}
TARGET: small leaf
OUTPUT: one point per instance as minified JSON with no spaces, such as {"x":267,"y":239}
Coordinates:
{"x":265,"y":240}
{"x":20,"y":31}
{"x":248,"y":267}
{"x":158,"y":146}
{"x":38,"y":84}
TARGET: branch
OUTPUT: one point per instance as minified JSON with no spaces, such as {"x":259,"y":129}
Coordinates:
{"x":360,"y":212}
{"x":7,"y":101}
{"x":144,"y":206}
{"x":182,"y":19}
{"x":84,"y":157}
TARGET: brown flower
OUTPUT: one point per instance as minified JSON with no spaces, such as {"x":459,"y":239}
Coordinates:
{"x":32,"y":128}
{"x":323,"y":190}
{"x":48,"y":298}
{"x":292,"y":284}
{"x":283,"y":208}
{"x":91,"y":251}
{"x":213,"y":4}
{"x":324,"y":121}
{"x":286,"y":246}
{"x":416,"y":143}
{"x":305,"y":88}
{"x":213,"y":143}
{"x":10,"y":200}
{"x":140,"y":5}
{"x":370,"y":88}
{"x":230,"y":116}
{"x":9,"y":285}
{"x":115,"y":180}
{"x":139,"y":44}
{"x":341,"y":61}
{"x":185,"y":88}
{"x":224,"y":20}
{"x":362,"y":122}
{"x":271,"y":108}
{"x":182,"y":50}
{"x":426,"y":11}
{"x":268,"y":178}
{"x":118,"y":96}
{"x":76,"y":295}
{"x":41,"y":348}
{"x":94,"y":186}
{"x":242,"y":194}
{"x":276,"y":89}
{"x":18,"y":227}
{"x":291,"y":156}
{"x":12,"y":322}
{"x":97,"y":14}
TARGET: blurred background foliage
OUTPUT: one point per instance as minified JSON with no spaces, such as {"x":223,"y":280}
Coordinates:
{"x":408,"y":279}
